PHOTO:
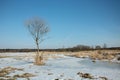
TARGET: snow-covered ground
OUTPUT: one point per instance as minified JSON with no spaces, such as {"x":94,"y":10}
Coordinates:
{"x":61,"y":68}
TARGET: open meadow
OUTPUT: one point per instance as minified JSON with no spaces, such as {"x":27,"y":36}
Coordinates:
{"x":82,"y":65}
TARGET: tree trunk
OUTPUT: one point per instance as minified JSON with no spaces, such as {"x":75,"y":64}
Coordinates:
{"x":38,"y":58}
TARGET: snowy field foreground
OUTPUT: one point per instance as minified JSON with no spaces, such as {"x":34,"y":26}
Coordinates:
{"x":56,"y":68}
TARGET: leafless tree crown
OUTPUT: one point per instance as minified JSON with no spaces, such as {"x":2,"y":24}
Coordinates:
{"x":37,"y":28}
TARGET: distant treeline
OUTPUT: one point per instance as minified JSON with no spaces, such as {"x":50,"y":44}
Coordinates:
{"x":74,"y":49}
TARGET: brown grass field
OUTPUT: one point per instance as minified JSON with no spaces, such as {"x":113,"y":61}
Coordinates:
{"x":96,"y":54}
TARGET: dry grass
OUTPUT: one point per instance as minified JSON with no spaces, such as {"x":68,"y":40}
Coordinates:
{"x":98,"y":54}
{"x":25,"y":75}
{"x":90,"y":77}
{"x":7,"y":70}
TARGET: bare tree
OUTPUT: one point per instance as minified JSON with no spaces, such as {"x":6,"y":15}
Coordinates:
{"x":38,"y":30}
{"x":104,"y":45}
{"x":98,"y":47}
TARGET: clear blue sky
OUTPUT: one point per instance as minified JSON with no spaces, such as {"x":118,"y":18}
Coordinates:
{"x":71,"y":22}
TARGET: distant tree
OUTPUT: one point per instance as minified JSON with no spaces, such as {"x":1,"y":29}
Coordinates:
{"x":82,"y":47}
{"x":38,"y":29}
{"x":98,"y":47}
{"x":92,"y":47}
{"x":104,"y":45}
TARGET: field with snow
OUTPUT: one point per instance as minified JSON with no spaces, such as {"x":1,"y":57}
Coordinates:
{"x":19,"y":66}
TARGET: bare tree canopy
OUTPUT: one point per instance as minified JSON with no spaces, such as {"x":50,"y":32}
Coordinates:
{"x":37,"y":28}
